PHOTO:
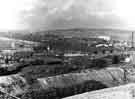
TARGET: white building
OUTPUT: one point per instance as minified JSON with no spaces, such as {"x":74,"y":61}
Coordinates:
{"x":107,"y":38}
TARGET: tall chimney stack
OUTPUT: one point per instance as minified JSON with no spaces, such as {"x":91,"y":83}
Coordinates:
{"x":132,"y":39}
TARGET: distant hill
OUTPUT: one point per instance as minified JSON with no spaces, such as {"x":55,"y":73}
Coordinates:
{"x":75,"y":32}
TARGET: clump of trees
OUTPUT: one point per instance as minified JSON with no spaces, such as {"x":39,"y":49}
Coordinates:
{"x":116,"y":59}
{"x":99,"y":63}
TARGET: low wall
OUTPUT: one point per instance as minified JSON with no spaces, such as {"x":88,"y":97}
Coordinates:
{"x":110,"y":77}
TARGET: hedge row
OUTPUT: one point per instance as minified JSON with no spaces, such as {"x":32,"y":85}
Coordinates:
{"x":58,"y":93}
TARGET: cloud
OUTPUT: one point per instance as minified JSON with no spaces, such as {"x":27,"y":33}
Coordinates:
{"x":50,"y":14}
{"x":68,"y":5}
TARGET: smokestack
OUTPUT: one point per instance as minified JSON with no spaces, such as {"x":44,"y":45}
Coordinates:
{"x":132,"y":39}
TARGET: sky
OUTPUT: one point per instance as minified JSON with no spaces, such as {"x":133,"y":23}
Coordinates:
{"x":37,"y":15}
